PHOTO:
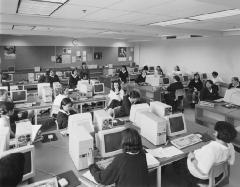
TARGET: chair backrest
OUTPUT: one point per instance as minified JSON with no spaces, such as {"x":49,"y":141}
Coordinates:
{"x":179,"y":93}
{"x":216,"y":171}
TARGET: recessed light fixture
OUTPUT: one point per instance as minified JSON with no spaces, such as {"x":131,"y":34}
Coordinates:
{"x":22,"y":27}
{"x":110,"y":32}
{"x":220,"y":14}
{"x":233,"y":29}
{"x":173,"y":22}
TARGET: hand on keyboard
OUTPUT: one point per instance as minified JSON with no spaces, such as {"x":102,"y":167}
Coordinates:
{"x":103,"y":164}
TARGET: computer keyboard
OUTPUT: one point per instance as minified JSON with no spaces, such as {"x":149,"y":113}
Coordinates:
{"x":23,"y":105}
{"x":186,"y":141}
{"x":102,"y":164}
{"x":98,"y":96}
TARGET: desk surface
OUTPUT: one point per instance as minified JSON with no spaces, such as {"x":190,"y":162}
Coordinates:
{"x":53,"y":158}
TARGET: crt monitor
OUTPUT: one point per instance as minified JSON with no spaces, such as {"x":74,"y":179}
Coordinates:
{"x":185,"y":78}
{"x":38,"y":75}
{"x":98,"y":88}
{"x":151,"y":68}
{"x":29,"y":166}
{"x":8,"y":77}
{"x":109,"y":142}
{"x":204,"y":76}
{"x":11,"y":69}
{"x":40,"y":87}
{"x":176,"y":124}
{"x":67,"y":74}
{"x":18,"y":96}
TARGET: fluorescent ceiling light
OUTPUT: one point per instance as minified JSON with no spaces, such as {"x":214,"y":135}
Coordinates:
{"x":173,"y":22}
{"x":221,"y":14}
{"x":22,"y":27}
{"x":110,"y":32}
{"x":5,"y":26}
{"x":37,"y":7}
{"x":41,"y":28}
{"x":234,"y":29}
{"x":55,"y":1}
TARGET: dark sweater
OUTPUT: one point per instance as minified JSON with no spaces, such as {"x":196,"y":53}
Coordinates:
{"x":173,"y":87}
{"x":198,"y":85}
{"x":123,"y":76}
{"x":140,"y":79}
{"x":231,"y":86}
{"x":73,"y":81}
{"x":125,"y":108}
{"x":206,"y":95}
{"x":125,"y":171}
{"x":62,"y":119}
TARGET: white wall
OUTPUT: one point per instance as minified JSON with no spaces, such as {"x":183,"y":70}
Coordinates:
{"x":194,"y":55}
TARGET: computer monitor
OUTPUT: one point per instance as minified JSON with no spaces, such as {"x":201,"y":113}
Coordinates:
{"x":38,"y":75}
{"x":137,"y":108}
{"x":8,"y":77}
{"x":109,"y":142}
{"x":151,"y":68}
{"x":18,"y":96}
{"x":232,"y":96}
{"x":4,"y":88}
{"x":185,"y":78}
{"x":59,"y":74}
{"x":40,"y":87}
{"x":204,"y":76}
{"x":98,"y":88}
{"x":29,"y":166}
{"x":67,"y":74}
{"x":11,"y":69}
{"x":153,"y":80}
{"x":176,"y":124}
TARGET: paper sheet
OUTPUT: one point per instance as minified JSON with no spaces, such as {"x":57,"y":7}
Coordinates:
{"x":165,"y":152}
{"x":151,"y":161}
{"x":89,"y":176}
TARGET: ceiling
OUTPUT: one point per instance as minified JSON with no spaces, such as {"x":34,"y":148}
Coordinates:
{"x":118,"y":19}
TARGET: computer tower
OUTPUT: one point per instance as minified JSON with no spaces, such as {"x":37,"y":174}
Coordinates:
{"x":160,"y":109}
{"x":80,"y":147}
{"x":153,"y":127}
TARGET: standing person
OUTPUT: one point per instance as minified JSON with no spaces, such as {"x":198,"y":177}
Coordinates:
{"x":123,"y":75}
{"x":159,"y":70}
{"x":200,"y":162}
{"x":209,"y":92}
{"x":52,"y":78}
{"x":73,"y":79}
{"x":84,"y":72}
{"x":195,"y":86}
{"x":177,"y":71}
{"x":235,"y":83}
{"x":128,"y":169}
{"x":115,"y":95}
{"x":216,"y":79}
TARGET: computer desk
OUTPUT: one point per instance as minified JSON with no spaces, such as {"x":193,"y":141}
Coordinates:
{"x":208,"y":116}
{"x":53,"y":158}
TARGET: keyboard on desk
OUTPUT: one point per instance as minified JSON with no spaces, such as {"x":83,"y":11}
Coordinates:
{"x":98,"y":96}
{"x":102,"y":164}
{"x":186,"y":141}
{"x":23,"y":105}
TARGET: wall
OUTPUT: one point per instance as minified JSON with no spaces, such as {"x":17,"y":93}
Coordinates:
{"x":34,"y":51}
{"x":194,"y":55}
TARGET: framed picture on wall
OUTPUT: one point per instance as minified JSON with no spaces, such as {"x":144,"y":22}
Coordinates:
{"x":97,"y":55}
{"x":10,"y":52}
{"x":122,"y":52}
{"x":59,"y":59}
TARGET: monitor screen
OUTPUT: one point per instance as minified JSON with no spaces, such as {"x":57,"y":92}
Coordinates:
{"x":113,"y":141}
{"x":11,"y":69}
{"x":151,"y":68}
{"x":204,"y":76}
{"x":67,"y":74}
{"x":185,"y":78}
{"x":98,"y":88}
{"x":176,"y":124}
{"x":28,"y":162}
{"x":18,"y":96}
{"x":38,"y":75}
{"x":165,"y":80}
{"x":135,"y":70}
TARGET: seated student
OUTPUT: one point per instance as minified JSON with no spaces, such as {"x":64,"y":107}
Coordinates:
{"x":209,"y":92}
{"x":4,"y":95}
{"x":170,"y":97}
{"x":124,"y":109}
{"x":235,"y":83}
{"x":84,"y":72}
{"x":123,"y":75}
{"x":64,"y":111}
{"x":50,"y":77}
{"x":159,"y":70}
{"x":73,"y":79}
{"x":11,"y":169}
{"x":64,"y":93}
{"x":216,"y":79}
{"x":128,"y":169}
{"x":195,"y":86}
{"x":177,"y":71}
{"x":200,"y":162}
{"x":115,"y":95}
{"x":6,"y":110}
{"x":142,"y":77}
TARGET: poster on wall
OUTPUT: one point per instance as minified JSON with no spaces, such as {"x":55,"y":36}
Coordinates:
{"x":97,"y":55}
{"x":10,"y":52}
{"x":66,"y":59}
{"x":78,"y":56}
{"x":122,"y":54}
{"x":58,"y":59}
{"x":74,"y":59}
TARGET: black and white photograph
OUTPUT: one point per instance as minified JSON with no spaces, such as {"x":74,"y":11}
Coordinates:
{"x":122,"y":52}
{"x":10,"y":52}
{"x":97,"y":55}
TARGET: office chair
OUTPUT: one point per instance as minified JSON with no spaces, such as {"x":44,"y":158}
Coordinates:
{"x":179,"y":95}
{"x":217,"y":174}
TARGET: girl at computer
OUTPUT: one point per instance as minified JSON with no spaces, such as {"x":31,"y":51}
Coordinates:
{"x":142,"y":77}
{"x":159,"y":70}
{"x":73,"y":79}
{"x":128,"y":169}
{"x":177,"y":71}
{"x":195,"y":86}
{"x":6,"y":110}
{"x":123,"y":74}
{"x":115,"y":95}
{"x":235,"y":83}
{"x":64,"y":112}
{"x":209,"y":92}
{"x":200,"y":162}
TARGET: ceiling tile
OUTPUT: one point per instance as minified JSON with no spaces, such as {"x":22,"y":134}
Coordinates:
{"x":8,"y":6}
{"x":94,"y":3}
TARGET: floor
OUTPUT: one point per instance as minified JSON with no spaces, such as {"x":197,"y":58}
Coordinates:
{"x":172,"y":179}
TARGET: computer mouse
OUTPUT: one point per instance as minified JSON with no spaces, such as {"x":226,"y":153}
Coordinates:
{"x":199,"y":135}
{"x":63,"y":182}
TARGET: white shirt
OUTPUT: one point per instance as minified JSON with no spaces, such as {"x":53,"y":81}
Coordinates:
{"x":208,"y":155}
{"x":179,"y":73}
{"x":217,"y":80}
{"x":57,"y":101}
{"x":4,"y":123}
{"x":113,"y":95}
